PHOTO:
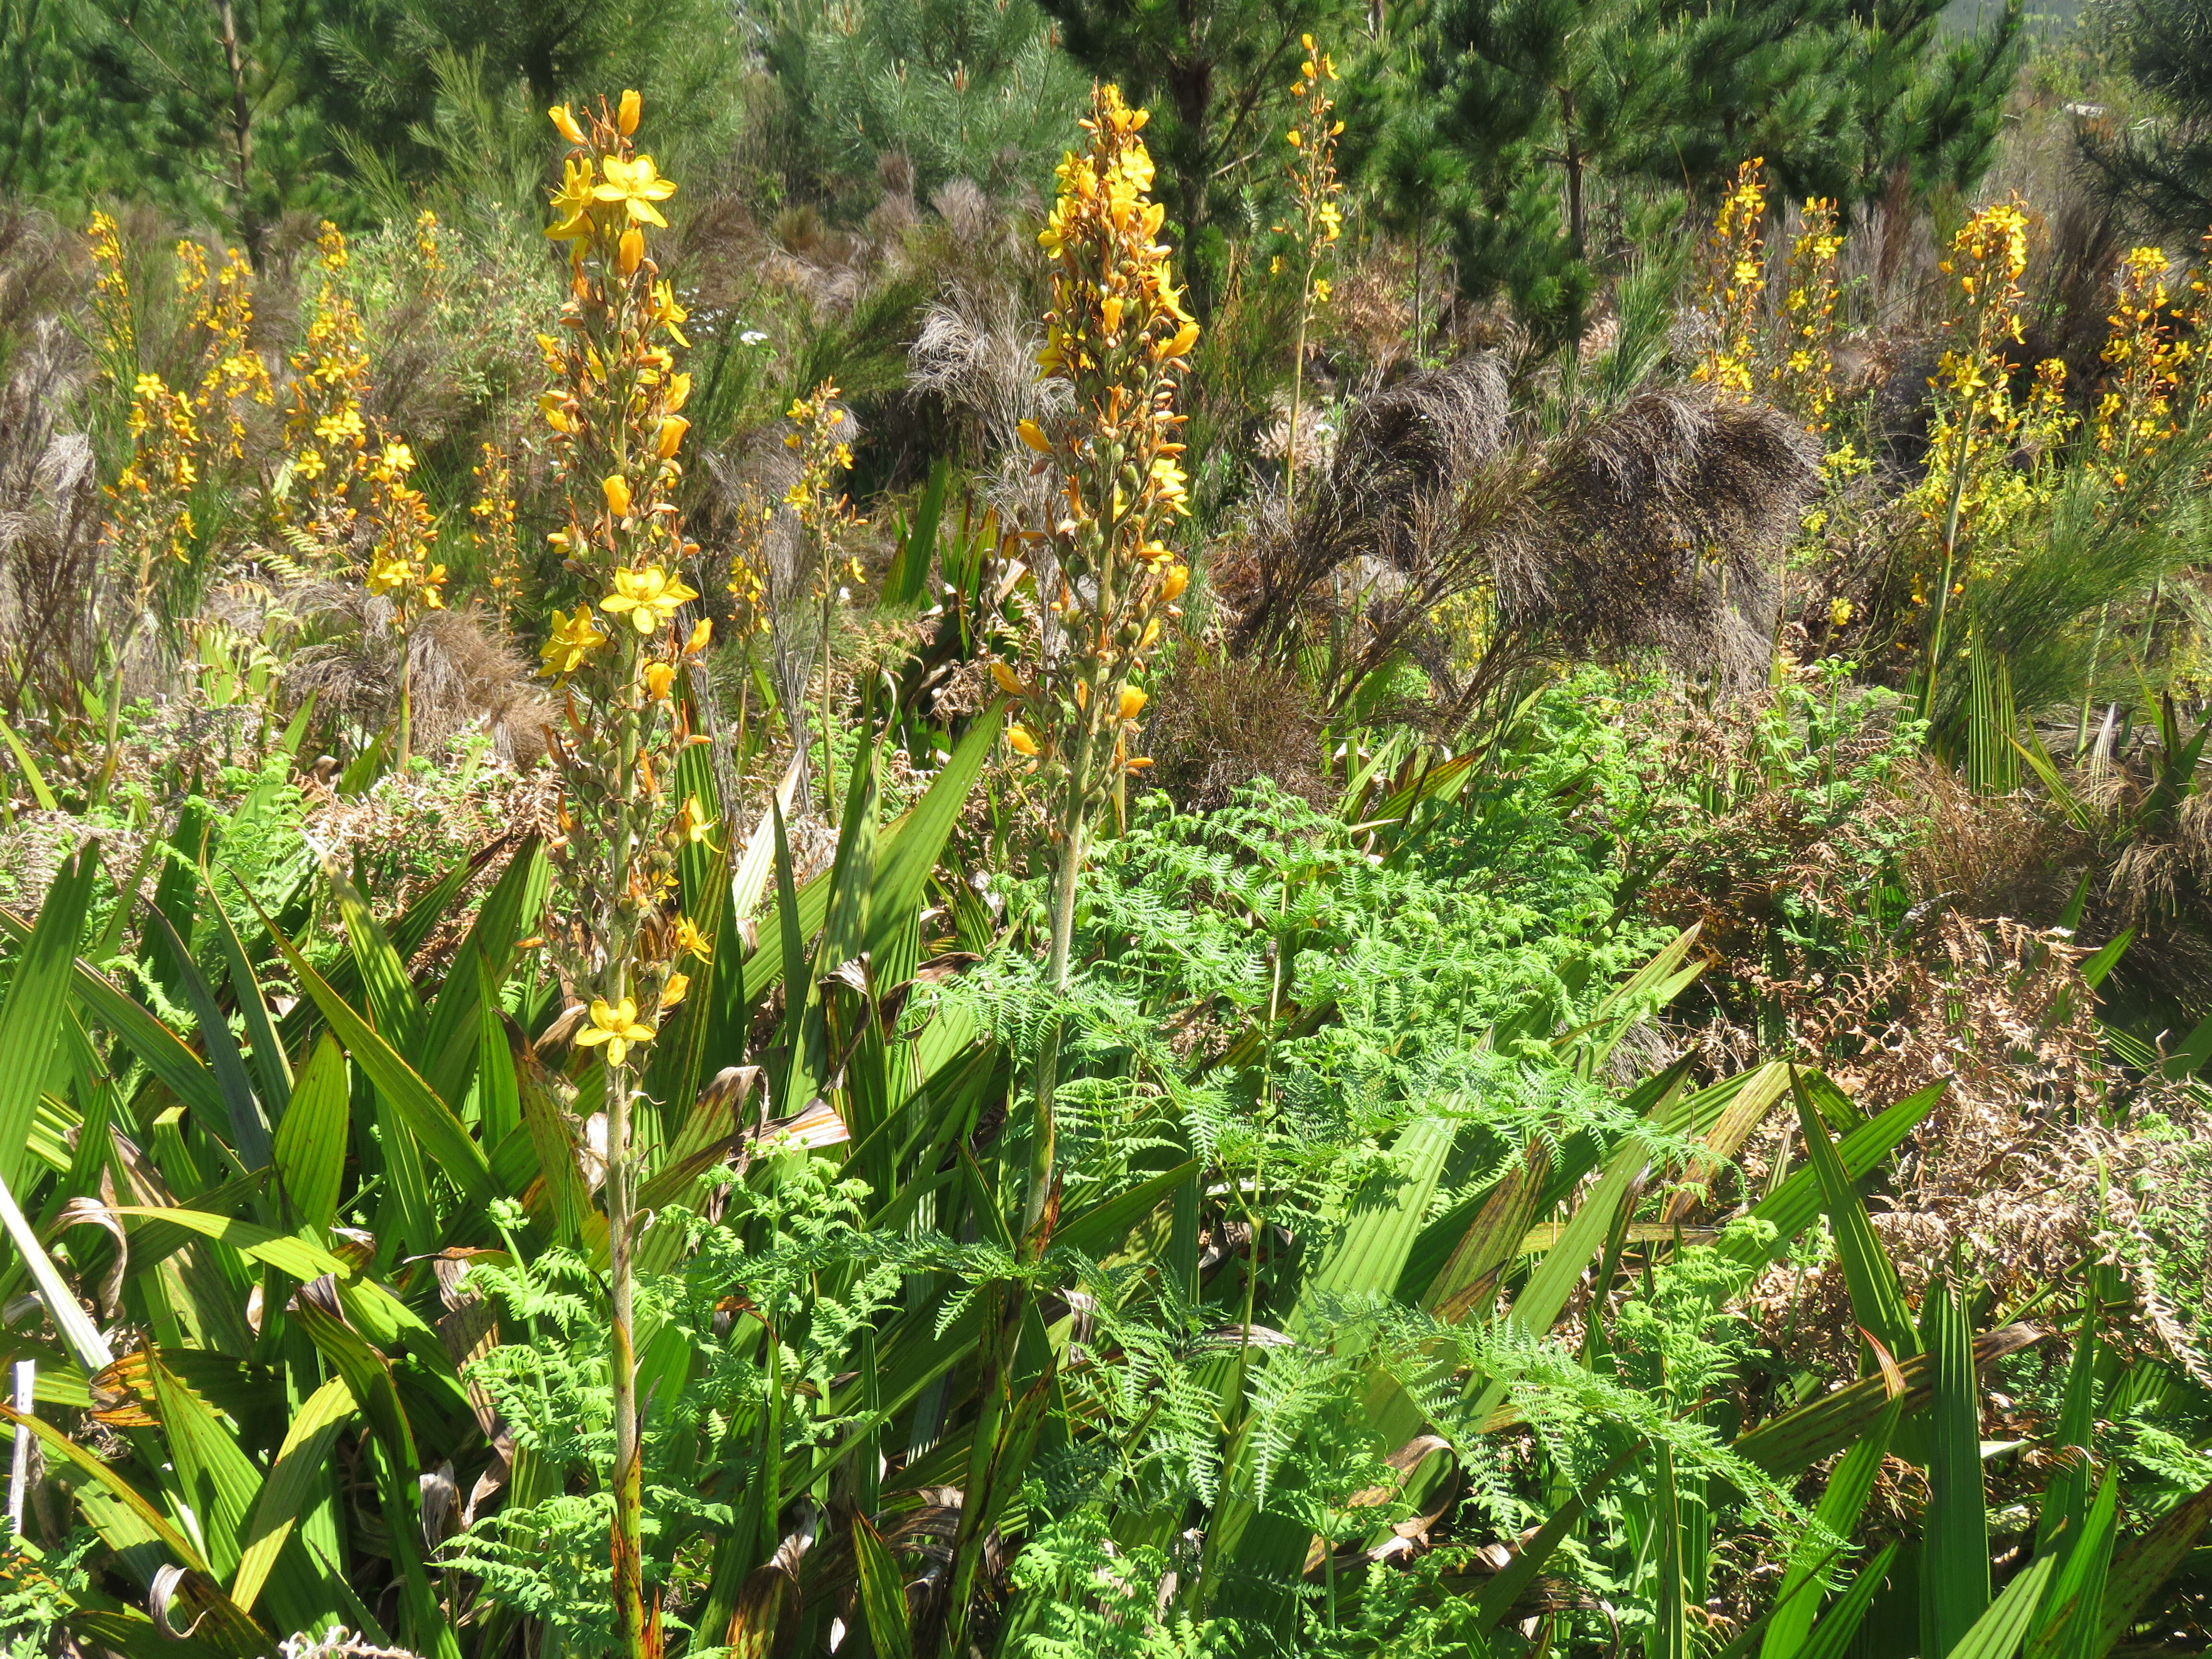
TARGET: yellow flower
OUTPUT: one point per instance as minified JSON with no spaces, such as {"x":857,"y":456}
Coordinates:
{"x":629,"y":253}
{"x":1022,"y":742}
{"x":1008,"y":681}
{"x":637,"y":186}
{"x":1177,"y":579}
{"x":1033,"y":436}
{"x":573,"y":639}
{"x":1132,"y":703}
{"x":566,"y":121}
{"x":1322,"y":289}
{"x":616,"y":1027}
{"x":651,"y":596}
{"x":386,"y":574}
{"x":678,"y":987}
{"x":693,"y":825}
{"x":679,"y":389}
{"x":690,"y":939}
{"x":572,"y":203}
{"x":659,"y":676}
{"x":671,"y":437}
{"x":1840,"y":612}
{"x":615,"y":488}
{"x":702,"y":631}
{"x":626,"y":113}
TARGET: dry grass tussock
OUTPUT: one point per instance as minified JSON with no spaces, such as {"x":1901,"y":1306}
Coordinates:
{"x":461,"y":675}
{"x":1222,"y":723}
{"x":1656,"y":528}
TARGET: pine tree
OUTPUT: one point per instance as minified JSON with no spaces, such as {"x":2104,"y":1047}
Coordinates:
{"x":961,"y":88}
{"x":2162,"y":169}
{"x":228,"y":93}
{"x":1212,"y":71}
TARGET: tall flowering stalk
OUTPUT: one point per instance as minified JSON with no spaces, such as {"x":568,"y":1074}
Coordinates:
{"x":492,"y":529}
{"x":325,"y":430}
{"x":818,"y":426}
{"x":2146,"y":355}
{"x":1735,"y":285}
{"x":1118,"y":334}
{"x":1977,"y":418}
{"x":1312,"y":139}
{"x":617,"y":432}
{"x":180,"y":435}
{"x":1804,"y":372}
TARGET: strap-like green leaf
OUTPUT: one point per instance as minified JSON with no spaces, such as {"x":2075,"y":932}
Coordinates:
{"x":300,"y":1469}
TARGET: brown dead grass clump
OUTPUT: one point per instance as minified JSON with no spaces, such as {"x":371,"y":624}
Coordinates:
{"x":2024,"y":1171}
{"x":1222,"y":723}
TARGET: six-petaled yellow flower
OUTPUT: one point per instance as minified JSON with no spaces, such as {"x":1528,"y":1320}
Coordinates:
{"x":637,"y":186}
{"x":573,"y":639}
{"x":616,"y":1027}
{"x":650,"y":597}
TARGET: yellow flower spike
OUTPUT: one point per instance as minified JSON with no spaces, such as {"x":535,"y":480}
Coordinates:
{"x":615,"y":488}
{"x":566,"y":122}
{"x":572,"y":639}
{"x":629,"y":253}
{"x":671,"y":437}
{"x":703,"y":631}
{"x":659,"y":676}
{"x":1033,"y":435}
{"x":637,"y":186}
{"x":616,"y":1027}
{"x":677,"y":987}
{"x":690,"y":941}
{"x":1132,"y":703}
{"x":627,"y":113}
{"x":1018,"y":739}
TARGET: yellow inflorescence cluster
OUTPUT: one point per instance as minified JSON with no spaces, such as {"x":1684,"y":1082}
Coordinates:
{"x":2147,"y":356}
{"x":1117,"y":332}
{"x":499,"y":549}
{"x":1970,"y":492}
{"x":1318,"y":192}
{"x":325,"y":432}
{"x":176,"y":434}
{"x":818,"y":426}
{"x":614,"y":410}
{"x":1804,"y":372}
{"x":1735,"y":284}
